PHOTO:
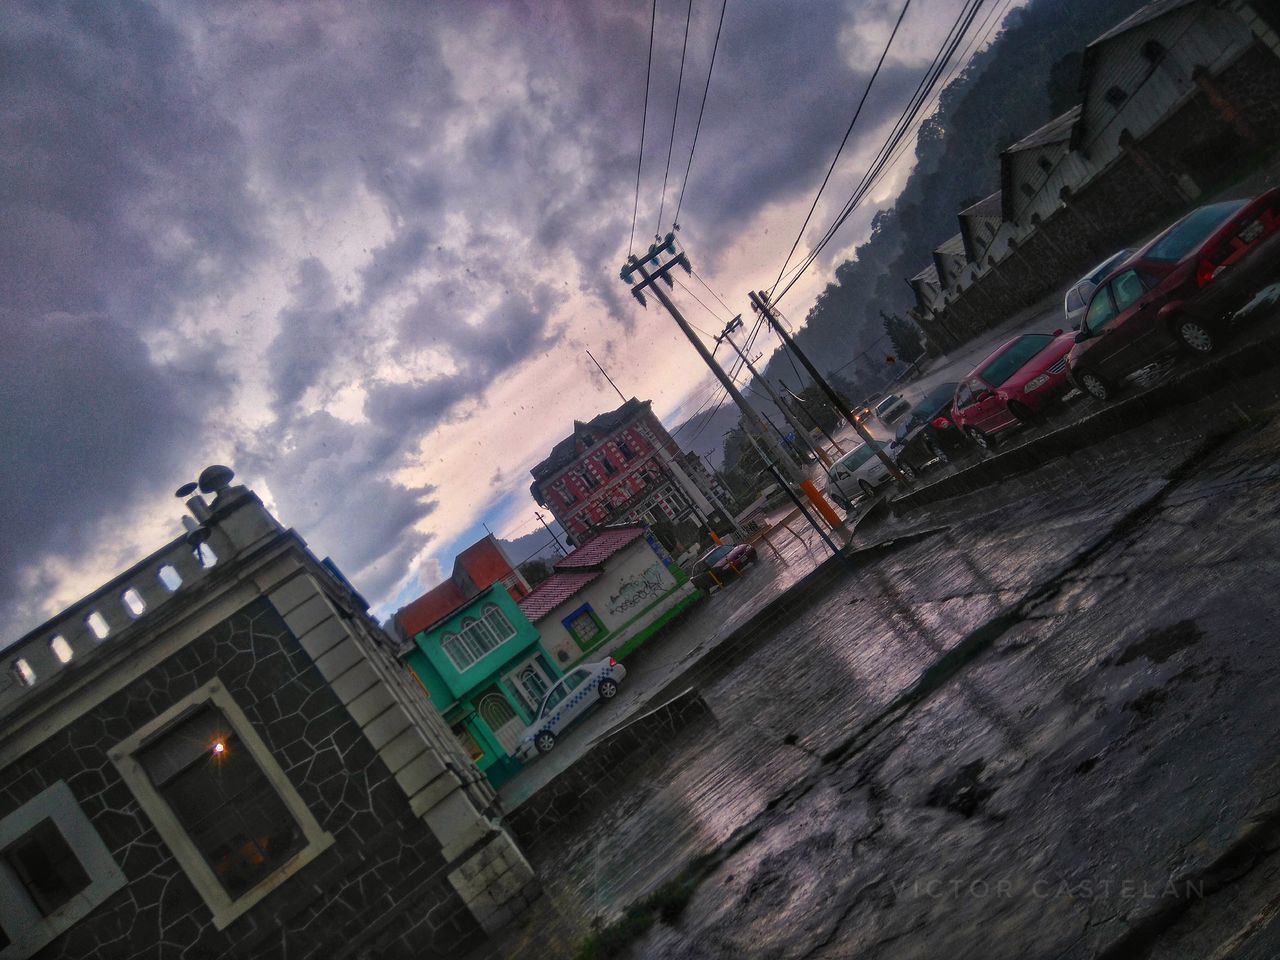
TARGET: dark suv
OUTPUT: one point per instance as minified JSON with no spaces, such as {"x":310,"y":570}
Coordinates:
{"x":1180,"y":290}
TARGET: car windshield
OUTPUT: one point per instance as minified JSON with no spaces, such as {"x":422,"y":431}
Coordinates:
{"x":858,"y":457}
{"x":1103,"y":270}
{"x":933,"y":403}
{"x":1014,"y":359}
{"x":714,"y":556}
{"x":1193,"y":230}
{"x":885,"y":405}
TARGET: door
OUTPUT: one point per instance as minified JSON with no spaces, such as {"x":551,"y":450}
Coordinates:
{"x":551,"y":708}
{"x":987,"y":412}
{"x":1100,"y":357}
{"x":501,"y":719}
{"x":580,"y":694}
{"x":1134,"y":338}
{"x":531,"y":682}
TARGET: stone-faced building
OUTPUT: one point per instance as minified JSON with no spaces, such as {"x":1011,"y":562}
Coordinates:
{"x":623,"y":467}
{"x":216,"y":754}
{"x":608,"y":596}
{"x":477,"y":656}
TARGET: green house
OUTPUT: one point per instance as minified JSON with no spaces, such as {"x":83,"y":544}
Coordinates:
{"x":482,"y":667}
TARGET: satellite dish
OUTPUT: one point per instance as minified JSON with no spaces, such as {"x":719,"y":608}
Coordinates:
{"x":186,"y":490}
{"x":216,"y":478}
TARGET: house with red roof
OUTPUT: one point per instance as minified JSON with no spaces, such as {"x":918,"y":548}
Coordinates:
{"x":477,"y":656}
{"x":608,"y":596}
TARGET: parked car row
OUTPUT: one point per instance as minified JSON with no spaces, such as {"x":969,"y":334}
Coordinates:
{"x":1182,"y":291}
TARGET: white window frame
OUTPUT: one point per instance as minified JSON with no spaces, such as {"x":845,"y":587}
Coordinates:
{"x":225,"y":910}
{"x":477,"y":637}
{"x":513,"y":681}
{"x":27,"y":929}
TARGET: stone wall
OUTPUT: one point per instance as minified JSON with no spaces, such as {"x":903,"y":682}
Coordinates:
{"x":379,"y":889}
{"x":584,"y":784}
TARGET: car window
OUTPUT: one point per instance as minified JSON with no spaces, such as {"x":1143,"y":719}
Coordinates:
{"x":574,"y":680}
{"x":855,"y":459}
{"x":1193,"y":230}
{"x":712,"y":557}
{"x":887,"y":404}
{"x":964,"y":396}
{"x":1101,"y":310}
{"x":1075,"y":299}
{"x":558,"y":693}
{"x":1015,"y":358}
{"x":1127,"y":289}
{"x":977,"y":388}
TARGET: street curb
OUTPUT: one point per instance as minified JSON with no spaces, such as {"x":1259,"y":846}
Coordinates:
{"x":1249,"y":360}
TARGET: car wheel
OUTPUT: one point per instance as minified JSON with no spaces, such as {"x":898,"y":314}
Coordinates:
{"x":939,"y":454}
{"x":545,"y":741}
{"x":907,"y":470}
{"x":608,"y":689}
{"x":867,"y":489}
{"x":1097,"y":387}
{"x":1194,"y":336}
{"x":841,"y":502}
{"x":979,"y":438}
{"x":1025,"y":415}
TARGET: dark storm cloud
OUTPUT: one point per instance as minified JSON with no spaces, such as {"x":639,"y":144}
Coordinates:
{"x":89,"y":426}
{"x":145,"y":148}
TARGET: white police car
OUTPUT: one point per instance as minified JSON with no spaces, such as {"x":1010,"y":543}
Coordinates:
{"x":567,"y":701}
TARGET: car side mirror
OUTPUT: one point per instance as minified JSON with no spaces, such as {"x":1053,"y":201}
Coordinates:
{"x":1058,"y":332}
{"x":1082,"y":334}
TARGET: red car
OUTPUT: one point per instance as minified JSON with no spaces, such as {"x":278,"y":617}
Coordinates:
{"x":1012,"y":386}
{"x":724,"y":561}
{"x":1180,"y":290}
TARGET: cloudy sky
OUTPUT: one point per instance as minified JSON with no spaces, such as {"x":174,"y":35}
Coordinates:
{"x":357,"y":251}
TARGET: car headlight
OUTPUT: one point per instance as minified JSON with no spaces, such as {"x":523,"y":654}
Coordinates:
{"x":1035,"y":383}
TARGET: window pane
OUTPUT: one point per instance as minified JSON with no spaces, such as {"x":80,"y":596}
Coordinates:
{"x":1128,"y":289}
{"x":46,"y":866}
{"x":1193,"y":230}
{"x":1100,"y":310}
{"x":223,"y":800}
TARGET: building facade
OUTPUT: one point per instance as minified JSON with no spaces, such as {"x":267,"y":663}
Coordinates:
{"x":623,"y":467}
{"x":608,"y":596}
{"x":484,"y":671}
{"x":217,"y":754}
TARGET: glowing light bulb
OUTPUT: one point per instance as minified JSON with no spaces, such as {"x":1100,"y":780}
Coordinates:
{"x":219,"y":748}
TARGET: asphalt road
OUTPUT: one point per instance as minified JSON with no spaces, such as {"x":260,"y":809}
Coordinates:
{"x":1047,"y":731}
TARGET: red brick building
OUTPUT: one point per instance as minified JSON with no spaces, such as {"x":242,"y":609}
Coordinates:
{"x":623,"y":467}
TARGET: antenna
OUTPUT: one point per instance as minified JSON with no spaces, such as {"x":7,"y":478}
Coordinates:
{"x":607,"y":377}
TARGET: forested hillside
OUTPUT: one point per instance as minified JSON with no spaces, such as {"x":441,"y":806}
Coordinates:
{"x":1028,"y":75}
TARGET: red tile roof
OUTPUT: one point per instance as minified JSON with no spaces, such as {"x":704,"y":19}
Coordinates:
{"x":601,"y":547}
{"x":555,"y":590}
{"x":430,"y":608}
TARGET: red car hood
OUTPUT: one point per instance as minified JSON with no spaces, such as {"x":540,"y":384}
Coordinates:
{"x":1041,"y":363}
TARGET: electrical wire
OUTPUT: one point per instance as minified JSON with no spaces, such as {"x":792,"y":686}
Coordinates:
{"x":898,"y":134}
{"x":675,"y":220}
{"x":675,"y":115}
{"x":843,"y":142}
{"x":644,"y":122}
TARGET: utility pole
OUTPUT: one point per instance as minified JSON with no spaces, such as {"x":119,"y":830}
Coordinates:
{"x":554,"y":538}
{"x":801,"y":432}
{"x":760,"y":301}
{"x":800,"y":405}
{"x":648,"y":281}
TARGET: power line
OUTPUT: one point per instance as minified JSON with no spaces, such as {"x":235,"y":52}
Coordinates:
{"x":675,"y":220}
{"x":644,"y":121}
{"x":698,"y":277}
{"x":674,"y":117}
{"x":902,"y":126}
{"x":848,"y":131}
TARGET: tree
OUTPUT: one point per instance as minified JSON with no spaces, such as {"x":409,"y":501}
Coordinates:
{"x":535,"y":570}
{"x":905,"y":336}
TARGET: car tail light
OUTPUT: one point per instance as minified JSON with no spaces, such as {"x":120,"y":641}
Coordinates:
{"x":941,"y":423}
{"x":1206,"y":270}
{"x":613,"y":662}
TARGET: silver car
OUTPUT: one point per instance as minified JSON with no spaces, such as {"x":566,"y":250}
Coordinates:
{"x":1077,"y":299}
{"x":858,"y":474}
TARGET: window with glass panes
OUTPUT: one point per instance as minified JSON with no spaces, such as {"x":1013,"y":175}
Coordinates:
{"x":477,"y":636}
{"x":222,"y":799}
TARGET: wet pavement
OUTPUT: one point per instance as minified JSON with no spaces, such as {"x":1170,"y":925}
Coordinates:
{"x":1044,"y":730}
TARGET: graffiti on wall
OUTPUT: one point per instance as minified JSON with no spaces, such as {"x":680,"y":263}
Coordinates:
{"x":642,"y":589}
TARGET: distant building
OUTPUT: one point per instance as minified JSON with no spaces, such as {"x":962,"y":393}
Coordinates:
{"x":216,"y":754}
{"x":608,"y":596}
{"x":621,"y":467}
{"x":477,"y":656}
